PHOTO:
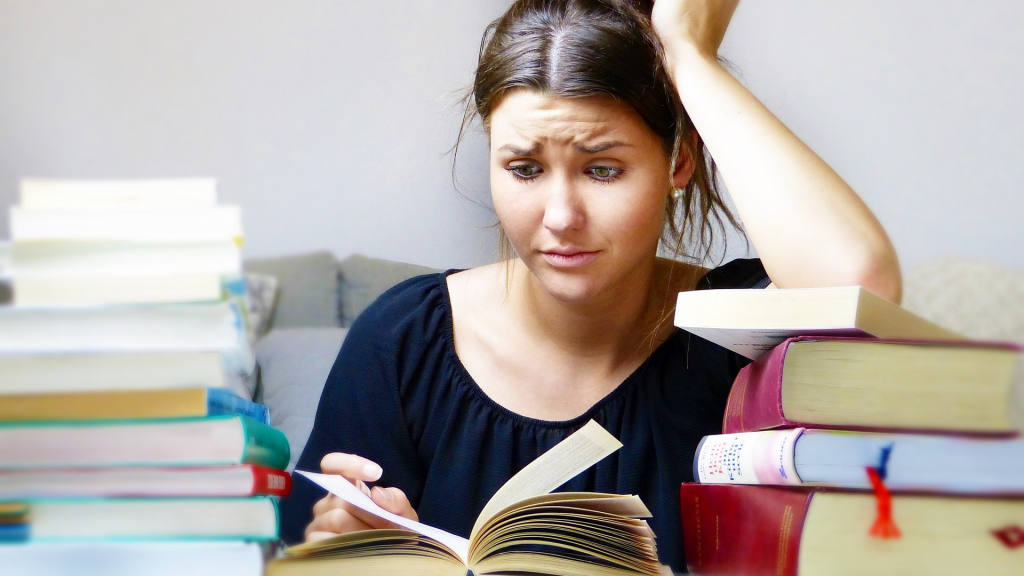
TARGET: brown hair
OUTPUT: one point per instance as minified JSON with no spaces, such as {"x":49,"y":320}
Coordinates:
{"x":579,"y":48}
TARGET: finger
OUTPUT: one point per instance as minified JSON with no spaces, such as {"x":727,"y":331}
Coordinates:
{"x":326,"y":503}
{"x":338,"y":521}
{"x":370,"y":519}
{"x":351,"y":466}
{"x":395,"y":501}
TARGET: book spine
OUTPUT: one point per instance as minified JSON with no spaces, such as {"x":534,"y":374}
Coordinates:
{"x":264,"y":446}
{"x":748,"y":458}
{"x":755,"y":400}
{"x":221,"y":402}
{"x":270,"y":482}
{"x":749,"y":530}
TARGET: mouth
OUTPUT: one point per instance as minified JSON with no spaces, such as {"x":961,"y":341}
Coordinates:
{"x":569,"y":258}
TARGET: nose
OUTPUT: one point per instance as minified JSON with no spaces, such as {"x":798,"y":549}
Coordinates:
{"x":564,"y":210}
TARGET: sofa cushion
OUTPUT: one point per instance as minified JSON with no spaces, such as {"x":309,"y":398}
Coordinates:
{"x":307,"y":289}
{"x":363,"y":279}
{"x":294,"y":364}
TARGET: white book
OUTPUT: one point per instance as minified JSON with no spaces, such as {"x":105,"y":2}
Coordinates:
{"x":141,"y":519}
{"x":228,"y":558}
{"x":217,"y":327}
{"x":127,"y":225}
{"x":122,"y":258}
{"x":92,"y":290}
{"x":54,"y":194}
{"x":116,"y":371}
{"x":752,"y":322}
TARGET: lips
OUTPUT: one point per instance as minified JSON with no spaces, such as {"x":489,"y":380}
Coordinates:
{"x":569,"y":257}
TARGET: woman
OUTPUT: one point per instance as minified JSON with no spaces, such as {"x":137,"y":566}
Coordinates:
{"x":451,"y":383}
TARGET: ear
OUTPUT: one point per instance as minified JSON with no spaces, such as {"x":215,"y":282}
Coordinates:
{"x":685,"y":166}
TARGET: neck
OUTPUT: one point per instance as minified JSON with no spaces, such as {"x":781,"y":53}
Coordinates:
{"x":614,"y":326}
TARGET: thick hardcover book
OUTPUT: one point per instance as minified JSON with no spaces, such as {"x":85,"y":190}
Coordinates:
{"x":860,"y":383}
{"x":523,"y":528}
{"x":142,"y":519}
{"x":770,"y":531}
{"x":129,"y":405}
{"x":239,"y":480}
{"x":216,"y":440}
{"x":752,"y":322}
{"x":909,"y":462}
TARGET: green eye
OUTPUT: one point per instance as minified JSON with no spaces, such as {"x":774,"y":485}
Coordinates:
{"x":605,"y":173}
{"x":525,"y":171}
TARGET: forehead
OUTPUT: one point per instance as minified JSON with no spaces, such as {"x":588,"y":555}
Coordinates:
{"x":537,"y":118}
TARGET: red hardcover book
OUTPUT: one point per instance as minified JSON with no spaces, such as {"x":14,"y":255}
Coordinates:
{"x":872,"y":384}
{"x":751,"y":531}
{"x":734,"y":530}
{"x":202,"y":481}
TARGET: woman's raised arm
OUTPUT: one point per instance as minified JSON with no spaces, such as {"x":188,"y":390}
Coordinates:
{"x":809,"y":227}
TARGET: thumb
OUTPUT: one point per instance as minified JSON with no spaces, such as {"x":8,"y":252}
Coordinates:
{"x":395,"y":501}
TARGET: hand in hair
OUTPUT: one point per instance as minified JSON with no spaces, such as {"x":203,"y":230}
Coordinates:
{"x":700,"y":24}
{"x":333,"y":516}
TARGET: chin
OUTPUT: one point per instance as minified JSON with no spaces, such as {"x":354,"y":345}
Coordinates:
{"x":571,"y":287}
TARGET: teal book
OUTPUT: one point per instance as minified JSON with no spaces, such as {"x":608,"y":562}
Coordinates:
{"x":215,"y":440}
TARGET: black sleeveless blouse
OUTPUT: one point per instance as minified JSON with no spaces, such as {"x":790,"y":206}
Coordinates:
{"x":399,"y":395}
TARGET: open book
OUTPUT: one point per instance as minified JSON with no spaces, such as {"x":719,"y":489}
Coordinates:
{"x":523,"y":528}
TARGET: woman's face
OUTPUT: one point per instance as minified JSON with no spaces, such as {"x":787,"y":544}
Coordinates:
{"x":579,"y":185}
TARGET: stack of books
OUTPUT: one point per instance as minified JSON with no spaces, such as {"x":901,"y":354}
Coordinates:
{"x":861,"y":440}
{"x":126,"y":446}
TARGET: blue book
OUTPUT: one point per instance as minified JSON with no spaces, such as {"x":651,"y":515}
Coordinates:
{"x":13,"y":533}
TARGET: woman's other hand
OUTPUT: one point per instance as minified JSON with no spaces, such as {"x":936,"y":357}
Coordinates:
{"x":333,"y":516}
{"x":700,"y":24}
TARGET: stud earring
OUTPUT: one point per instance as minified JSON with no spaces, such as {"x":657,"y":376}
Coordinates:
{"x":677,"y":193}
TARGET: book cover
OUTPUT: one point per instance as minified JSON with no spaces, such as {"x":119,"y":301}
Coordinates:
{"x":776,"y":531}
{"x":919,"y":385}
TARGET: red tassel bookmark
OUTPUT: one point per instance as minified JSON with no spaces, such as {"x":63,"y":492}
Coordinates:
{"x":884,"y":526}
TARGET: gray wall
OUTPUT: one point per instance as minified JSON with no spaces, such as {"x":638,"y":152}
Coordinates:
{"x":328,"y":121}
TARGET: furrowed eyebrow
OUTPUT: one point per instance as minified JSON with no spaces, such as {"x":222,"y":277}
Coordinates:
{"x":522,"y":151}
{"x":597,"y":148}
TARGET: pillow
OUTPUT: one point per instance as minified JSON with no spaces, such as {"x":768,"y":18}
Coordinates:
{"x":260,"y":292}
{"x":293,"y":366}
{"x":307,"y":289}
{"x":361,"y":280}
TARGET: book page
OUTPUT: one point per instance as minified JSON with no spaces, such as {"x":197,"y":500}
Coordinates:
{"x":584,"y":448}
{"x":344,"y":489}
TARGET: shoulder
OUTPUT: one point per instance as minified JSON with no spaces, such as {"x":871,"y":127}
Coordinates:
{"x":413,"y":306}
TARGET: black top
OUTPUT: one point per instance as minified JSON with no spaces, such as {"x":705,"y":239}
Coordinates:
{"x":399,"y":395}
